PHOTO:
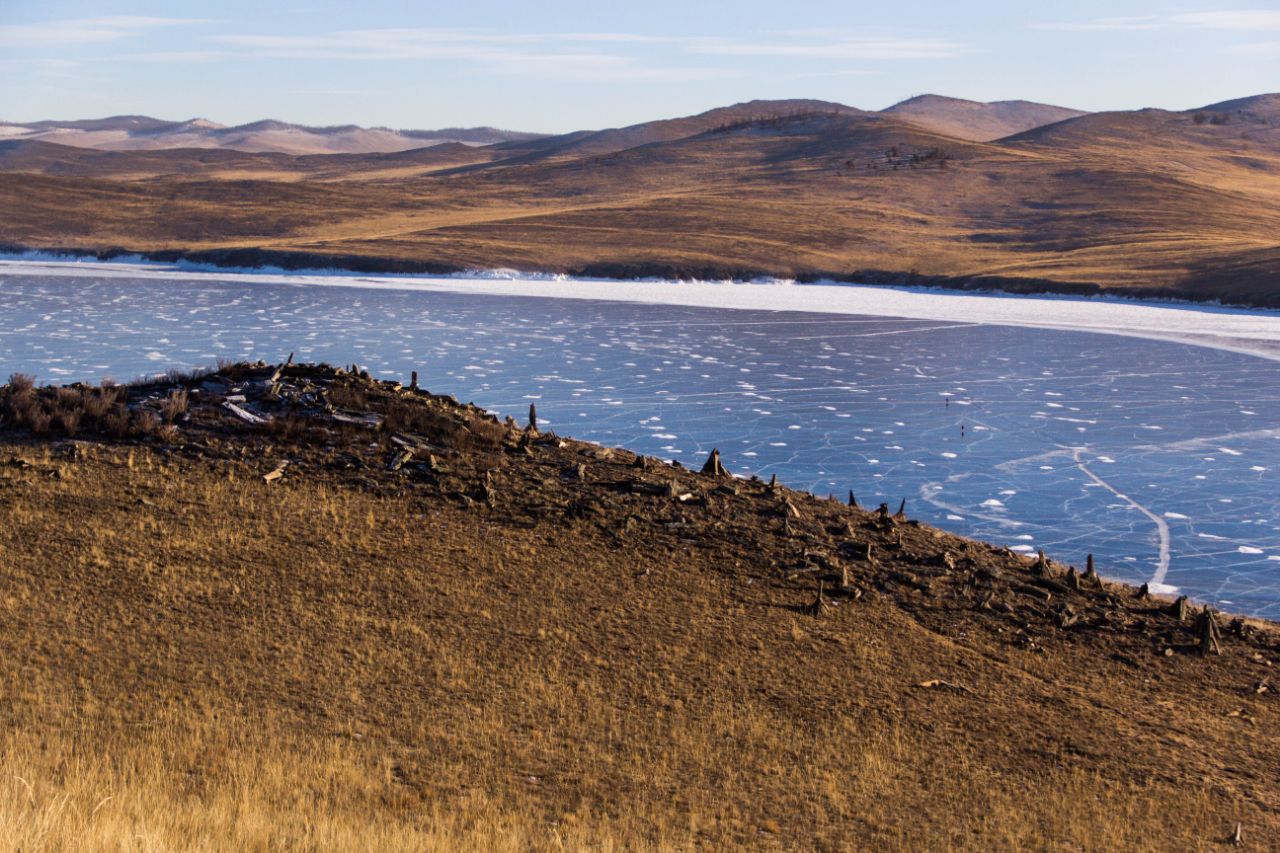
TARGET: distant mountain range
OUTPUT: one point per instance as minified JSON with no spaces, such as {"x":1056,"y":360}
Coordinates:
{"x":972,"y":121}
{"x":143,"y":133}
{"x":1012,"y":194}
{"x":969,"y":120}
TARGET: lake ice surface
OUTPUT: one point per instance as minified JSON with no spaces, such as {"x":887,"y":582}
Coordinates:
{"x":1160,"y":458}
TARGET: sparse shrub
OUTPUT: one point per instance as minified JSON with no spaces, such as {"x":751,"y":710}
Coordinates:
{"x":144,"y":423}
{"x":346,"y":397}
{"x":68,"y":397}
{"x":470,"y":433}
{"x":169,"y":434}
{"x":68,"y":420}
{"x":116,"y":424}
{"x":38,"y":421}
{"x":1199,"y":118}
{"x":174,"y":406}
{"x":97,"y":403}
{"x":21,"y":383}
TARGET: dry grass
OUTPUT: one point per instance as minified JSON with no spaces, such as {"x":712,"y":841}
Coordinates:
{"x":174,"y":787}
{"x":198,"y":660}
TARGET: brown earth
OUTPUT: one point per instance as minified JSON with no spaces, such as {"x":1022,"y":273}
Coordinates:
{"x":435,"y":631}
{"x":1148,"y":202}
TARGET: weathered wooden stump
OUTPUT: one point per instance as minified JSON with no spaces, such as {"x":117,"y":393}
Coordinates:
{"x":1208,"y":630}
{"x":1179,"y":609}
{"x":1144,"y":591}
{"x":413,"y":380}
{"x":712,"y":466}
{"x":901,"y":514}
{"x":819,"y":604}
{"x":852,"y":500}
{"x":1091,"y":573}
{"x":533,"y":417}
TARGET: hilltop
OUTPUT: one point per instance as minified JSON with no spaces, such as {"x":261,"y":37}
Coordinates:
{"x":294,"y":605}
{"x":977,"y":121}
{"x":1149,"y":202}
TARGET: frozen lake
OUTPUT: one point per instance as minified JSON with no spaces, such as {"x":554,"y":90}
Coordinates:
{"x":1160,"y":458}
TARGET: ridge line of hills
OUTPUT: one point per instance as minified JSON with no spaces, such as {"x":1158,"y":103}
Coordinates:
{"x":975,"y":121}
{"x":138,"y":132}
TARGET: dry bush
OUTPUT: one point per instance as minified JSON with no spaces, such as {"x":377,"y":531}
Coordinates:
{"x":75,"y":409}
{"x":449,"y":430}
{"x":38,"y":420}
{"x":347,"y":397}
{"x":68,"y":420}
{"x":144,"y":423}
{"x":175,"y":405}
{"x":116,"y":423}
{"x":21,"y":383}
{"x":98,"y":405}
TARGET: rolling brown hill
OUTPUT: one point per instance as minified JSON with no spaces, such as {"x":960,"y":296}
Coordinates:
{"x":1162,"y":203}
{"x":977,"y":121}
{"x":433,"y":631}
{"x":670,"y":130}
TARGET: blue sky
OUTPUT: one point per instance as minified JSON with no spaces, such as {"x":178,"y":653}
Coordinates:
{"x":558,"y":66}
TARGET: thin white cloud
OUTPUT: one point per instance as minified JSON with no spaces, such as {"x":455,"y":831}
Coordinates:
{"x":1261,"y":48}
{"x":1257,"y":19}
{"x":171,"y":56}
{"x":846,"y":48}
{"x":1128,"y":23}
{"x":82,"y":31}
{"x":543,"y":55}
{"x":838,"y":73}
{"x":329,"y":92}
{"x":606,"y":56}
{"x":1240,"y":19}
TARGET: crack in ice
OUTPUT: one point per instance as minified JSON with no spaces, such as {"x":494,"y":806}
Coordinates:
{"x":1162,"y":527}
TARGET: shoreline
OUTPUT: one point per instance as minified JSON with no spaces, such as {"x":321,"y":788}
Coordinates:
{"x":316,"y":263}
{"x":1243,"y":330}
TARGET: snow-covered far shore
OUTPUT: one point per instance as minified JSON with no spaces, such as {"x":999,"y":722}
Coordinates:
{"x":1250,"y":331}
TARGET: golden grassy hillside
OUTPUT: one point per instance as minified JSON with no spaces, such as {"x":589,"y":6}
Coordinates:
{"x":435,"y":631}
{"x":1185,"y":204}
